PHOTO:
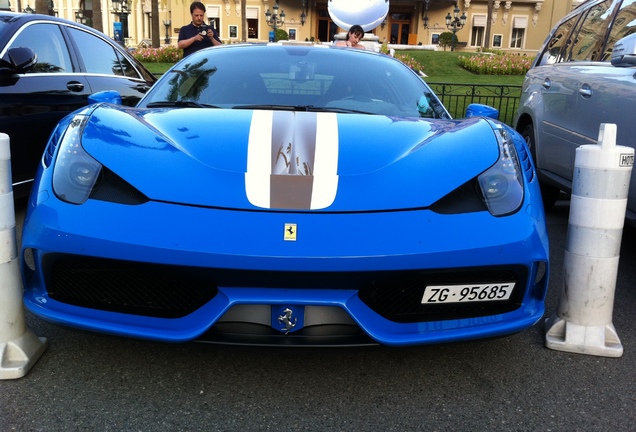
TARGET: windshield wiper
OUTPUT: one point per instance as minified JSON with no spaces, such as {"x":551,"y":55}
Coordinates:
{"x":309,"y":108}
{"x":180,"y":104}
{"x":272,"y":107}
{"x":337,"y":110}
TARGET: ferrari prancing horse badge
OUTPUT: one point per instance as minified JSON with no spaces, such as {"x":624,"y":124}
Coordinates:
{"x":290,"y":232}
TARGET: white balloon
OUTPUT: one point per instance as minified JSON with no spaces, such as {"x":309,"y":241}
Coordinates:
{"x":367,"y":13}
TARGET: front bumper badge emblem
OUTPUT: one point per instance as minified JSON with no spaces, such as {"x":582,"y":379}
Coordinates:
{"x":287,"y":320}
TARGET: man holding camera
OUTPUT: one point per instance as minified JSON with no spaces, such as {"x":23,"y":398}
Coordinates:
{"x":197,"y":35}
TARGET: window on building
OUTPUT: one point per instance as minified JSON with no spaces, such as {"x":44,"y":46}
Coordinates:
{"x":252,"y":23}
{"x":327,"y":29}
{"x":478,"y":30}
{"x":400,"y":28}
{"x":86,"y":11}
{"x":519,"y":25}
{"x":214,"y":18}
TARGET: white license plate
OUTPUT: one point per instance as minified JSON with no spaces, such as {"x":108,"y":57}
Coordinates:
{"x":467,"y":293}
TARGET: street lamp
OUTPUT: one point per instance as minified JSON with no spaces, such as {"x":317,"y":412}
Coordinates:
{"x":425,"y":13}
{"x":275,"y":20}
{"x":303,"y":15}
{"x":455,"y":23}
{"x":28,"y":10}
{"x":167,"y":23}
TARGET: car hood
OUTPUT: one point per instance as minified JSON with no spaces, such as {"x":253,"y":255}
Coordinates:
{"x":259,"y":159}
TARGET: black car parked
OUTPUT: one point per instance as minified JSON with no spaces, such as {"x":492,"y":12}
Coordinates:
{"x":72,"y":61}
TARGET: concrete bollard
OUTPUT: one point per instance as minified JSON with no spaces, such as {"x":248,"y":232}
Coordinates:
{"x":583,"y":321}
{"x":19,"y":347}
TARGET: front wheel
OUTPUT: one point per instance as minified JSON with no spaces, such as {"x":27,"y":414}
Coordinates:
{"x":549,"y":193}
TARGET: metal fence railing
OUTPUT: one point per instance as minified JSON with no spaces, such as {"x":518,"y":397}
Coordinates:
{"x":456,"y":97}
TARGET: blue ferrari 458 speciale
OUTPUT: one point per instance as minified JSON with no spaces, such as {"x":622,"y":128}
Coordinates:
{"x":292,"y":194}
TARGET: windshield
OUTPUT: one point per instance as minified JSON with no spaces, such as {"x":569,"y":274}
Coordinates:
{"x":297,"y":78}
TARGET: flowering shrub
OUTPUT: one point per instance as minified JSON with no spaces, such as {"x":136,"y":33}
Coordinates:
{"x":498,"y":64}
{"x":164,"y":54}
{"x":409,"y":61}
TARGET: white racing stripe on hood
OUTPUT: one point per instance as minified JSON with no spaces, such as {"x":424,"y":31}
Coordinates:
{"x":292,"y":160}
{"x":259,"y":150}
{"x":326,"y":161}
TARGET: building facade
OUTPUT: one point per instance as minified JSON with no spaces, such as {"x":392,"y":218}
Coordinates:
{"x":515,"y":25}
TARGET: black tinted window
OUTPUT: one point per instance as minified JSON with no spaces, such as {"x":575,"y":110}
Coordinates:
{"x":47,"y":42}
{"x":127,"y":67}
{"x":99,"y":56}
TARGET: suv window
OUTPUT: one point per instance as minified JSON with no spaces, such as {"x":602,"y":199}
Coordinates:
{"x":558,"y":41}
{"x":624,"y":25}
{"x":588,"y":43}
{"x":47,"y":42}
{"x":101,"y":58}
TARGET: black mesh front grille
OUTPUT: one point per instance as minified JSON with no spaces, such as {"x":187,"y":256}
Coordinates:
{"x":399,"y":298}
{"x":172,"y":291}
{"x":133,"y":288}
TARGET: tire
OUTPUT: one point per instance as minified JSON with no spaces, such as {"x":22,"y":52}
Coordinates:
{"x":549,"y":193}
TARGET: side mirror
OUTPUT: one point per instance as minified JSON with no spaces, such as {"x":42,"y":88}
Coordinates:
{"x":624,"y":52}
{"x":17,"y":61}
{"x":479,"y":110}
{"x":107,"y":96}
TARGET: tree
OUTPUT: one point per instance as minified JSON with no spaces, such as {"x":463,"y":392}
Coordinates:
{"x":280,"y":35}
{"x":446,"y":39}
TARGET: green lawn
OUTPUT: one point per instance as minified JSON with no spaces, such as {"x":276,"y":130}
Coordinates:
{"x":440,"y":66}
{"x":443,"y":67}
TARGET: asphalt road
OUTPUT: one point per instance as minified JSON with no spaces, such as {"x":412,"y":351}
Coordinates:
{"x":101,"y":383}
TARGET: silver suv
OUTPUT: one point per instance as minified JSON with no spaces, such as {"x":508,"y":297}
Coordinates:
{"x":577,"y":82}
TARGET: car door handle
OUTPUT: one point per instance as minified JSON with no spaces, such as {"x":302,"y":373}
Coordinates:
{"x":585,"y":91}
{"x":75,"y":86}
{"x":143,"y":88}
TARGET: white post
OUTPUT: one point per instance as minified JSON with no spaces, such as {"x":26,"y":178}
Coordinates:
{"x":583,"y":321}
{"x":19,"y":347}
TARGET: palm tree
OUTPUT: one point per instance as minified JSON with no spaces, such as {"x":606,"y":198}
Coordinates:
{"x":244,"y":18}
{"x":97,"y":15}
{"x":154,"y":24}
{"x":42,"y":7}
{"x":488,"y":24}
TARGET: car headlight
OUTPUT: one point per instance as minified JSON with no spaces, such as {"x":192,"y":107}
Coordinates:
{"x":502,"y":184}
{"x":75,"y":172}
